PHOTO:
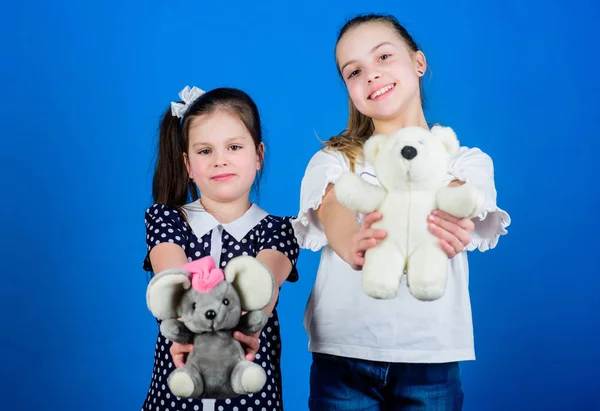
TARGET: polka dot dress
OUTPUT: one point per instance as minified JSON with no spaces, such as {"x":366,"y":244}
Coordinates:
{"x":164,"y":224}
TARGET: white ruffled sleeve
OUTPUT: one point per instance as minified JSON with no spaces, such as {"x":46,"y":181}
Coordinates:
{"x":473,"y":166}
{"x":324,"y":168}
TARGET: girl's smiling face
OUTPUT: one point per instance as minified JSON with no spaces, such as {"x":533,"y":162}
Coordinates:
{"x":381,"y":74}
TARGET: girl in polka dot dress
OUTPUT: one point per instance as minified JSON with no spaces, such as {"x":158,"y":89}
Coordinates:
{"x":211,"y":145}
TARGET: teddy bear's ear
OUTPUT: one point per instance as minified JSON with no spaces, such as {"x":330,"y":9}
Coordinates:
{"x":448,"y":137}
{"x":371,"y":148}
{"x":164,"y":293}
{"x":252,"y":280}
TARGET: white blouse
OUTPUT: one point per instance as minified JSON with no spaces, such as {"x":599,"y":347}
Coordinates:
{"x":340,"y":319}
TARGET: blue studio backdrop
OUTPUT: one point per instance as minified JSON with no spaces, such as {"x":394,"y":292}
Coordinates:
{"x":83,"y":85}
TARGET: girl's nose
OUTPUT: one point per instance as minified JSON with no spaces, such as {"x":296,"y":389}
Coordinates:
{"x":220,"y":159}
{"x":373,"y":75}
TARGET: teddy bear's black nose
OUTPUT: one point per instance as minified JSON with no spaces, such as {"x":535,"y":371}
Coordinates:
{"x":409,"y":152}
{"x":211,"y":314}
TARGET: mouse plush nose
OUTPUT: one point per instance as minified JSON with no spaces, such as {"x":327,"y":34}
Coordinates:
{"x":409,"y":152}
{"x":211,"y":314}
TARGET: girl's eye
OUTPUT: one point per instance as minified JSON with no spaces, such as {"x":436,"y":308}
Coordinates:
{"x":385,"y":56}
{"x":204,"y":152}
{"x":235,"y":147}
{"x":353,"y":73}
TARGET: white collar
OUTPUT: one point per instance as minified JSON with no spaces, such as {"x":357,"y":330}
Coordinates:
{"x":202,"y":221}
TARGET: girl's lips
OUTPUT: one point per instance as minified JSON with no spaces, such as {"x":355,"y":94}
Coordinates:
{"x":381,"y":91}
{"x":223,"y":177}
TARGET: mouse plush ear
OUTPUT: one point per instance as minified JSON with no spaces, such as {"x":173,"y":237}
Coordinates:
{"x":448,"y":137}
{"x":252,"y":280}
{"x":164,"y":293}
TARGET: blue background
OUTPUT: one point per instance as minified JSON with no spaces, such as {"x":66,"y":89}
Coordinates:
{"x":83,"y":85}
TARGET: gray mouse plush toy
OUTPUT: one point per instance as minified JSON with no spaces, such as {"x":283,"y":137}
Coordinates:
{"x":202,"y":305}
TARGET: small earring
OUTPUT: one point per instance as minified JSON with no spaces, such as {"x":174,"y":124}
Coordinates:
{"x":420,"y":72}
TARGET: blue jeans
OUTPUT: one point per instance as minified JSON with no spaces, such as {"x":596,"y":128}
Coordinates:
{"x":348,"y":384}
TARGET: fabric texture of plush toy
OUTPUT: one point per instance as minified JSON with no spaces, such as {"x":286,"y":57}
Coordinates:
{"x":410,"y":165}
{"x":202,"y":305}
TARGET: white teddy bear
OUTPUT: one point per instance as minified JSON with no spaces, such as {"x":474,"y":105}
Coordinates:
{"x":411,"y":165}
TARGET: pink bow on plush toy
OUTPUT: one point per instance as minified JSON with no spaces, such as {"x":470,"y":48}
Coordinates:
{"x":205,"y":276}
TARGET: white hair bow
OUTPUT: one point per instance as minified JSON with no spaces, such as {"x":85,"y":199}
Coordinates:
{"x":188,"y":96}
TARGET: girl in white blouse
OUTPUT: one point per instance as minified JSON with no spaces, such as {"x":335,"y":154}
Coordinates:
{"x":399,"y":353}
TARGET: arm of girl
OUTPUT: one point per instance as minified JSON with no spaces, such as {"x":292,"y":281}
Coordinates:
{"x":281,"y":267}
{"x":346,"y":237}
{"x":323,"y":220}
{"x":474,"y":167}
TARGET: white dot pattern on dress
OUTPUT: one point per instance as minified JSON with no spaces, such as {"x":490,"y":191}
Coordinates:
{"x":268,"y":234}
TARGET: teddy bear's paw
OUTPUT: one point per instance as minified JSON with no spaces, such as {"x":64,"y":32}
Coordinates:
{"x":182,"y":385}
{"x":427,"y":292}
{"x":254,"y":378}
{"x":465,"y":201}
{"x":379,"y":292}
{"x":346,"y":191}
{"x":478,"y":202}
{"x":381,"y":274}
{"x":381,"y":288}
{"x":248,"y":377}
{"x":427,"y":274}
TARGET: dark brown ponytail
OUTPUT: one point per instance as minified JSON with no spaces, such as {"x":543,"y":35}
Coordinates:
{"x":171,"y":185}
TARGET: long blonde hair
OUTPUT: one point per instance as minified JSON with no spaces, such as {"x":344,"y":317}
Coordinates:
{"x":350,"y":142}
